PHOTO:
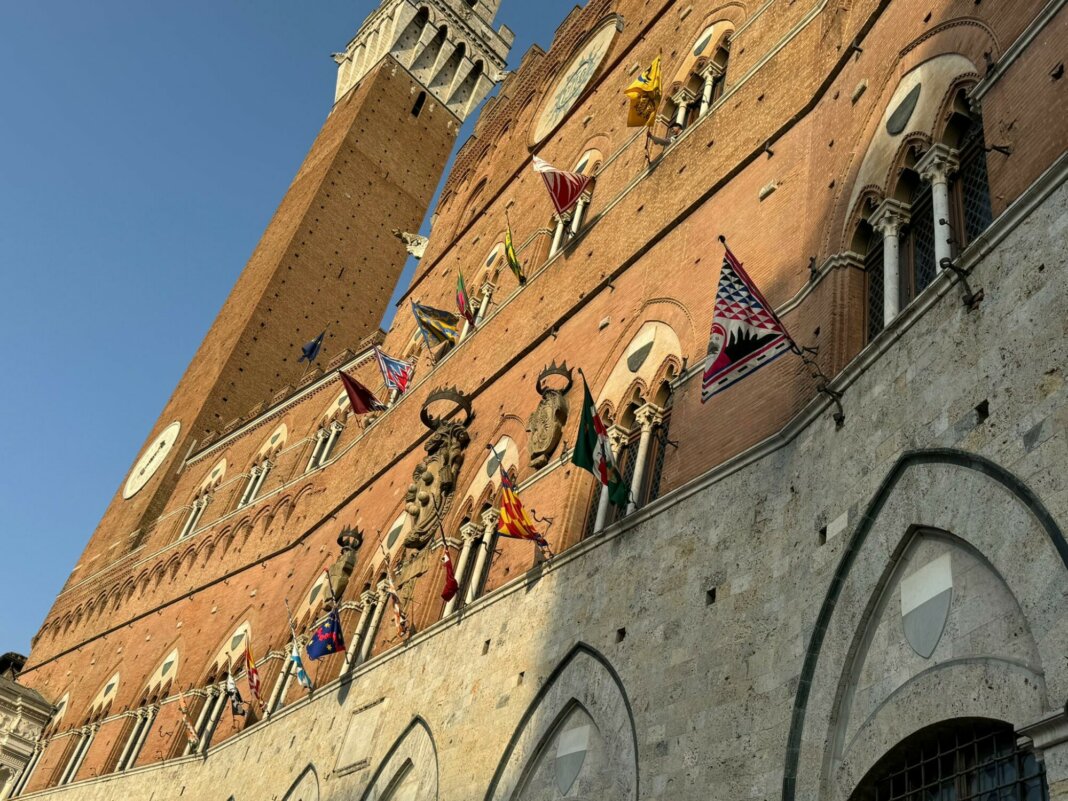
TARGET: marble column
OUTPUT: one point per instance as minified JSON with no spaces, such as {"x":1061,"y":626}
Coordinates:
{"x":682,"y":100}
{"x":648,"y":417}
{"x":935,"y":167}
{"x":710,"y":74}
{"x":558,"y":234}
{"x":616,"y":437}
{"x":470,"y":533}
{"x":483,"y":555}
{"x":368,"y":640}
{"x":888,"y":219}
{"x":370,"y":614}
{"x":580,"y":207}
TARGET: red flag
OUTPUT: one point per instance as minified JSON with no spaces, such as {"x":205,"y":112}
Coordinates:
{"x":448,"y":592}
{"x":565,"y":188}
{"x":361,"y":398}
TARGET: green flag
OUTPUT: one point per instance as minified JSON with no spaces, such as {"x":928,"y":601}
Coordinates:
{"x":593,"y":451}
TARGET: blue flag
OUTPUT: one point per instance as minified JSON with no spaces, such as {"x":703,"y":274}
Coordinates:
{"x":298,"y":668}
{"x":327,"y":639}
{"x":310,"y":351}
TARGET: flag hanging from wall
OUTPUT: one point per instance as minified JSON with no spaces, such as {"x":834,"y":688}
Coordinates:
{"x":397,"y":373}
{"x":514,"y":520}
{"x":451,"y":586}
{"x":298,"y":668}
{"x":251,"y":673}
{"x":513,"y":260}
{"x":593,"y":451}
{"x":437,"y":326}
{"x":309,"y":352}
{"x":190,"y":733}
{"x":565,"y":188}
{"x":644,"y":94}
{"x":327,"y":638}
{"x":237,"y":707}
{"x":361,"y":399}
{"x":399,"y":618}
{"x":463,"y":301}
{"x":746,"y":333}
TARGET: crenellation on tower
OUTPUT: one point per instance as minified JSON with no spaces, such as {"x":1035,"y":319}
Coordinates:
{"x":449,"y":46}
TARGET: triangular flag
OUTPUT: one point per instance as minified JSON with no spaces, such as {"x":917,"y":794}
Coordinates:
{"x":565,"y":188}
{"x":361,"y":398}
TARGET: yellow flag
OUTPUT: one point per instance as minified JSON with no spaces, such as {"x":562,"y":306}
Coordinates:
{"x":644,"y":96}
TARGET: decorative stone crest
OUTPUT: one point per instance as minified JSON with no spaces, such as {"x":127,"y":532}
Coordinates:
{"x":340,"y":572}
{"x":546,"y":422}
{"x":434,"y":478}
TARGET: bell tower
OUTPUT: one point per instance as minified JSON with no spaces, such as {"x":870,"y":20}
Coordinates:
{"x":327,"y":261}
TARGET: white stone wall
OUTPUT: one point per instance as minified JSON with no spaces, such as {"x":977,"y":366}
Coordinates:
{"x":802,"y":664}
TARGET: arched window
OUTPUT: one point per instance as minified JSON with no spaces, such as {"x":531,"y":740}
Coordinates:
{"x":202,"y":497}
{"x":700,"y":80}
{"x":141,"y":720}
{"x":588,"y":164}
{"x":262,"y":465}
{"x":959,"y":760}
{"x":326,"y":436}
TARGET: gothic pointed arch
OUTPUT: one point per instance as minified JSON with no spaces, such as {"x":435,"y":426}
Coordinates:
{"x":409,"y":769}
{"x":305,"y":787}
{"x":943,"y":524}
{"x":577,"y":735}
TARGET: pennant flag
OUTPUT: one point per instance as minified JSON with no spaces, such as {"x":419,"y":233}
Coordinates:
{"x":514,"y":520}
{"x":361,"y":398}
{"x":234,"y":694}
{"x":513,"y":260}
{"x":746,"y":333}
{"x":448,"y":592}
{"x":327,"y":638}
{"x":310,"y":351}
{"x":298,"y":668}
{"x":593,"y":452}
{"x":396,"y":373}
{"x":251,"y":673}
{"x":437,"y":326}
{"x":565,"y":188}
{"x":463,"y":302}
{"x":190,"y":733}
{"x":644,"y":96}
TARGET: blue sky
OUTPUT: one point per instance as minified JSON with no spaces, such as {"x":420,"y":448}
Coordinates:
{"x":143,"y":149}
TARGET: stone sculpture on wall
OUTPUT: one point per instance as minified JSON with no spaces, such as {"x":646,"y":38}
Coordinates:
{"x":434,"y":478}
{"x":340,"y":572}
{"x":413,"y":243}
{"x":547,"y":421}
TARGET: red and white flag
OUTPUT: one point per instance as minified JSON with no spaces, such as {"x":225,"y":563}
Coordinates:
{"x":565,"y":188}
{"x":448,"y":591}
{"x":251,"y":673}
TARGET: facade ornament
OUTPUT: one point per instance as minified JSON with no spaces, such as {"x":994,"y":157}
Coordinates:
{"x":434,"y":478}
{"x":340,"y":572}
{"x":413,"y":243}
{"x":546,"y":423}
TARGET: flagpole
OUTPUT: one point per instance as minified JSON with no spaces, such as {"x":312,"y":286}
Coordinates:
{"x":815,"y":371}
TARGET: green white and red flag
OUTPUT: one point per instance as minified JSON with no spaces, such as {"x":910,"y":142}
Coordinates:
{"x":593,"y":451}
{"x":463,"y":301}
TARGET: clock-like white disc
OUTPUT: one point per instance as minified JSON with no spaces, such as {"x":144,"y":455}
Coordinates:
{"x":575,"y":78}
{"x":155,"y":454}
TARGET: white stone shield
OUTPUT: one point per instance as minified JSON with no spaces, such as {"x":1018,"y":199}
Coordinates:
{"x":926,"y":596}
{"x":570,"y":756}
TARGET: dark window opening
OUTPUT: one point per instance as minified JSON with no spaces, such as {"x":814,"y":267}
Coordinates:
{"x":419,"y":102}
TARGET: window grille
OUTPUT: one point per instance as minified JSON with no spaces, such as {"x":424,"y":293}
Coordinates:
{"x":966,"y":760}
{"x":973,"y":185}
{"x":875,"y":270}
{"x":659,"y":446}
{"x":921,"y":242}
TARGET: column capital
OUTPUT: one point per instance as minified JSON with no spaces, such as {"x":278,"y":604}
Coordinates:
{"x":489,"y":519}
{"x":470,"y":531}
{"x":368,"y":597}
{"x":683,"y":97}
{"x":1048,"y":731}
{"x":617,"y":435}
{"x":710,"y":71}
{"x":337,"y":425}
{"x":649,"y":416}
{"x":889,"y":217}
{"x":562,"y":218}
{"x":486,"y":290}
{"x":938,"y":163}
{"x":383,"y":591}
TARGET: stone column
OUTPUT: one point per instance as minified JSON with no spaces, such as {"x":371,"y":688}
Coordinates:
{"x":1049,"y":734}
{"x":682,"y":99}
{"x":335,"y":431}
{"x":888,"y":220}
{"x":483,"y":557}
{"x":580,"y":207}
{"x":218,"y":703}
{"x":648,"y":417}
{"x":368,"y":642}
{"x":150,"y":718}
{"x":470,"y":532}
{"x":367,"y":604}
{"x":935,"y":167}
{"x":558,"y":234}
{"x":711,"y":73}
{"x":616,"y":437}
{"x":483,"y":306}
{"x":320,"y":441}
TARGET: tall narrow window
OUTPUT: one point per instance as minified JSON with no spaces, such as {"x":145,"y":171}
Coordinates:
{"x":875,"y":272}
{"x":918,"y":244}
{"x":417,"y":107}
{"x":970,"y":192}
{"x":257,"y":475}
{"x":195,"y":513}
